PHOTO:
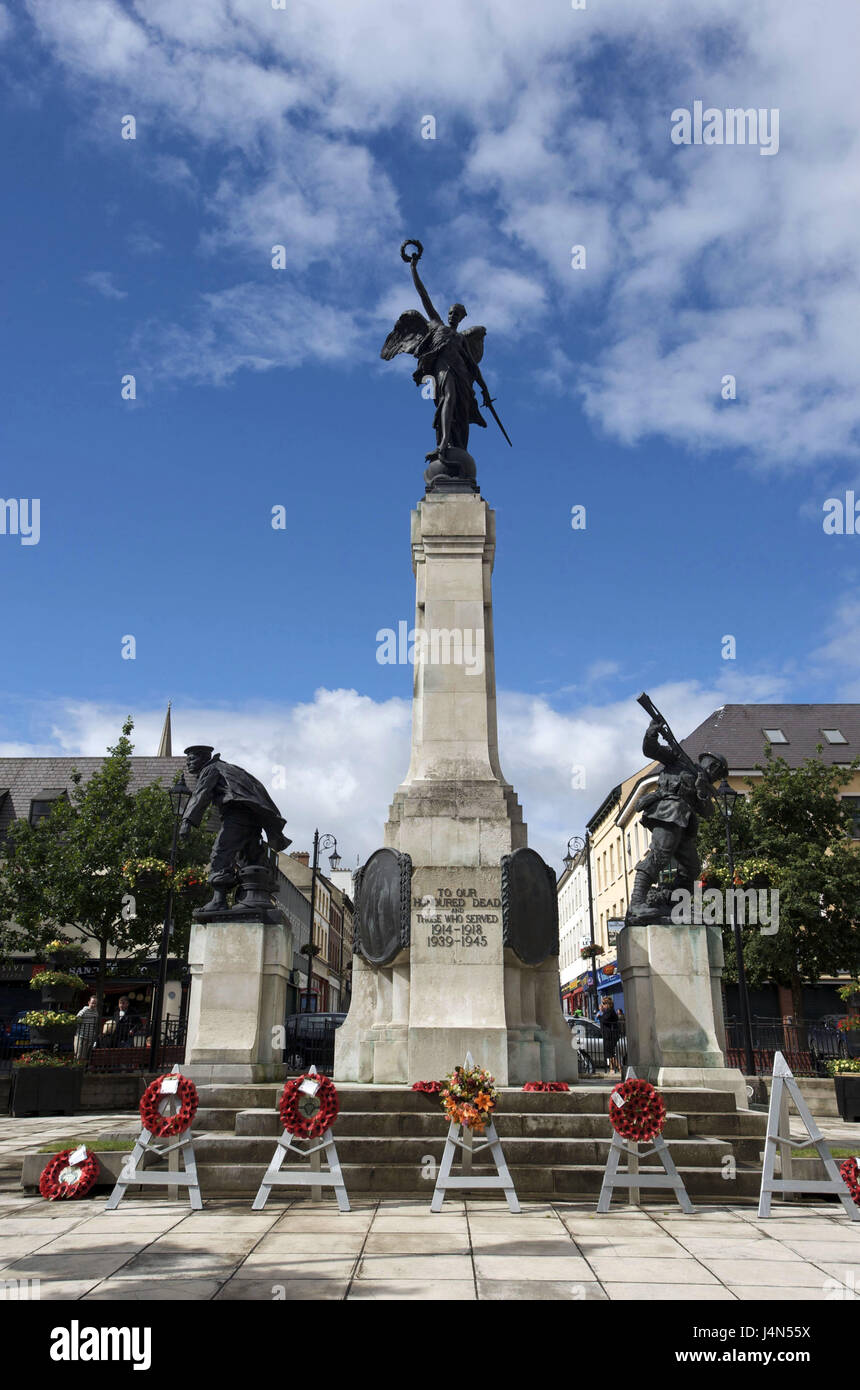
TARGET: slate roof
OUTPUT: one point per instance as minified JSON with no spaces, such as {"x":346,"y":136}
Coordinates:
{"x":24,"y":778}
{"x":737,"y":731}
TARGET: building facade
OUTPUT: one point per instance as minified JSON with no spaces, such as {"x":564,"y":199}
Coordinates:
{"x":618,"y":839}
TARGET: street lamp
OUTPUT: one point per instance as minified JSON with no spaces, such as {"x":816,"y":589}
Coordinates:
{"x":579,"y":844}
{"x":320,"y":842}
{"x":180,"y":795}
{"x":726,"y":797}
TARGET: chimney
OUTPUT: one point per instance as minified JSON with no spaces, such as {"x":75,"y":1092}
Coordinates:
{"x":303,"y":857}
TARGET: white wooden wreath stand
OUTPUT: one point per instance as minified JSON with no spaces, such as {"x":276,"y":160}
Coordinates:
{"x":633,"y":1179}
{"x":461,"y":1137}
{"x":778,"y":1137}
{"x":133,"y":1173}
{"x":314,"y":1177}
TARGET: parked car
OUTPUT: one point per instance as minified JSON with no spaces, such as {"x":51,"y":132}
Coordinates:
{"x":309,"y":1040}
{"x":588,"y":1041}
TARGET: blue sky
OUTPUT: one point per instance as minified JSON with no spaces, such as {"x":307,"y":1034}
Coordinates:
{"x":258,"y":387}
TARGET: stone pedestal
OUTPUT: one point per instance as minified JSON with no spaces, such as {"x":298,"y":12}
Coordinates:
{"x":239,"y":973}
{"x":456,"y":988}
{"x":676,"y":1036}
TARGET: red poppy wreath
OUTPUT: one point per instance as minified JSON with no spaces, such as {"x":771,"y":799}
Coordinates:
{"x":639,"y":1113}
{"x":61,"y":1180}
{"x":168,"y":1126}
{"x":546,"y":1086}
{"x":851,"y":1177}
{"x":307,"y":1116}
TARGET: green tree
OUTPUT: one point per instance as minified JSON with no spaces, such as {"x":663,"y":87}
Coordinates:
{"x":793,"y":818}
{"x":67,"y":870}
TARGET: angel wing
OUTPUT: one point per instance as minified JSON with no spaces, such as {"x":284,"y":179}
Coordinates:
{"x":475,"y":342}
{"x":406,"y":335}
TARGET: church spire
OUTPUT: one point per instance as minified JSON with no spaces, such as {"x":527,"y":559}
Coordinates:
{"x":165,"y":747}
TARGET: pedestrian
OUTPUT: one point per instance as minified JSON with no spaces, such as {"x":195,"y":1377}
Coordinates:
{"x":609,"y":1025}
{"x":126,"y":1024}
{"x":85,"y":1033}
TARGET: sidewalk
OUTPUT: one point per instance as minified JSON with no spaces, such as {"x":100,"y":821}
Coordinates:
{"x":149,"y":1249}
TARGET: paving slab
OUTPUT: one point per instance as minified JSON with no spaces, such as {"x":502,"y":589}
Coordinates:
{"x":433,"y":1268}
{"x":705,"y":1293}
{"x":778,"y":1274}
{"x":283,"y":1291}
{"x":288,"y":1243}
{"x":612,"y":1270}
{"x":736,"y":1249}
{"x":517,"y":1267}
{"x":412,"y":1243}
{"x":153,"y":1290}
{"x":279,"y":1269}
{"x":444,"y":1291}
{"x":539,"y":1290}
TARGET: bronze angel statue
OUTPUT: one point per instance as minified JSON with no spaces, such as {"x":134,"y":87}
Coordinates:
{"x":452,"y":360}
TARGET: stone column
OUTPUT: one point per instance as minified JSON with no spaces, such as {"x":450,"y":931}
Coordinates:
{"x":671,"y":975}
{"x":239,"y":973}
{"x":455,"y":815}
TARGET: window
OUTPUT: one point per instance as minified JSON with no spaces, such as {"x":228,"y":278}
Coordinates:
{"x":834,"y":736}
{"x":774,"y":736}
{"x":852,"y":806}
{"x":612,"y":863}
{"x":43,"y":804}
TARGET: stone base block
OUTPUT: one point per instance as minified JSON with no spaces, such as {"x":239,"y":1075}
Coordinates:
{"x":708,"y":1078}
{"x":234,"y":1073}
{"x":239,"y":974}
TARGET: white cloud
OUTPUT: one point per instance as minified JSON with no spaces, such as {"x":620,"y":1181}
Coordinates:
{"x":702,"y":261}
{"x":342,"y":755}
{"x":104,"y":282}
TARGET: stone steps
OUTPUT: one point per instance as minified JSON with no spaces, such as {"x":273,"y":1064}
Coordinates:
{"x":539,"y":1153}
{"x":396,"y":1125}
{"x":579,"y":1099}
{"x":556,"y":1143}
{"x":402,"y":1180}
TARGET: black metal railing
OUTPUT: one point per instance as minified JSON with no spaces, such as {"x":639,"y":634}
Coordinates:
{"x":102,"y":1045}
{"x":806,"y":1047}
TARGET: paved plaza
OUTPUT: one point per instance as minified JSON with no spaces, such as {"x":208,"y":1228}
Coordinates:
{"x":474,"y":1249}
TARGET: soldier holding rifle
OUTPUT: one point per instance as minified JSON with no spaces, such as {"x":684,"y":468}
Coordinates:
{"x":683,"y":793}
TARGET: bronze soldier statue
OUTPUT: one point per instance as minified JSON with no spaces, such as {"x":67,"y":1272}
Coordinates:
{"x":246,"y":810}
{"x":684,"y":792}
{"x":451,"y":359}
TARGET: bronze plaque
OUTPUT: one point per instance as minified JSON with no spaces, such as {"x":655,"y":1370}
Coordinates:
{"x":529,"y":906}
{"x":382,"y":906}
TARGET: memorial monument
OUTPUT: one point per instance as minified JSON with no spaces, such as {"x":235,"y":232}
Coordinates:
{"x":456,"y":933}
{"x":240,"y":954}
{"x":671,"y":969}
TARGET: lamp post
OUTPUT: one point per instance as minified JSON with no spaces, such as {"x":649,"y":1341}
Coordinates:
{"x":326,"y":841}
{"x":726,"y":797}
{"x":180,"y":795}
{"x":579,"y":844}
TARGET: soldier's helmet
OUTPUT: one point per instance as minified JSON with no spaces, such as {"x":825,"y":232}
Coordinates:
{"x":722,"y":765}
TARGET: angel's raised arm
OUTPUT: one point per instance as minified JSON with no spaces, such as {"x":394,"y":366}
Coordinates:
{"x":429,"y":310}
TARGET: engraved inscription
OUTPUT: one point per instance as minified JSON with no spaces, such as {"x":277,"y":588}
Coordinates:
{"x":457,"y":917}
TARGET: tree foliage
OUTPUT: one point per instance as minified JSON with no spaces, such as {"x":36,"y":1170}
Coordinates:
{"x":67,"y":870}
{"x":793,"y":818}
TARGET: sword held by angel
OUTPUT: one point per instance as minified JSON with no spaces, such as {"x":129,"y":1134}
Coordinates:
{"x":452,"y":360}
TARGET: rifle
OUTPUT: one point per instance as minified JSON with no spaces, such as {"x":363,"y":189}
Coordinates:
{"x":680,"y":753}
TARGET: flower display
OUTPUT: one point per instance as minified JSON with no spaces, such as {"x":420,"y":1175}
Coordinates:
{"x":163,"y":1126}
{"x":47,"y":1018}
{"x":308,"y":1116}
{"x":468,"y":1096}
{"x":42,"y":978}
{"x":428,"y":1088}
{"x":639,"y":1113}
{"x":45,"y":1059}
{"x":851,"y":1178}
{"x":61,"y":1180}
{"x":546,"y":1086}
